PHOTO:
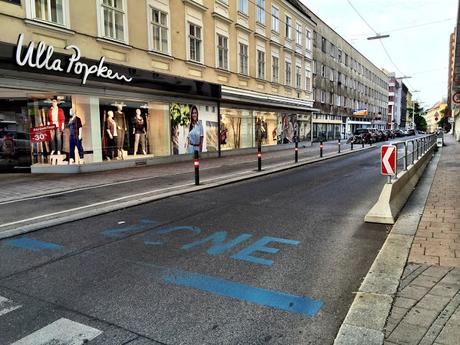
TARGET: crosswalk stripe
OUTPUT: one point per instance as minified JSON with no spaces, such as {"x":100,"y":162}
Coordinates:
{"x":7,"y":306}
{"x":62,"y":332}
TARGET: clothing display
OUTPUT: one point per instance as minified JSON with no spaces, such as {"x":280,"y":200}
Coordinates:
{"x":120,"y":119}
{"x":195,"y":137}
{"x":56,"y":117}
{"x":139,"y":134}
{"x":112,"y":138}
{"x":75,"y":126}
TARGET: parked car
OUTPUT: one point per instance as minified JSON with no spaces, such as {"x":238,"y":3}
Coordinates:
{"x":14,"y":146}
{"x":411,"y":132}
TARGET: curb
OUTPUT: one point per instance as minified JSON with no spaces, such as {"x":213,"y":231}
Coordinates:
{"x":141,"y":198}
{"x":366,"y":318}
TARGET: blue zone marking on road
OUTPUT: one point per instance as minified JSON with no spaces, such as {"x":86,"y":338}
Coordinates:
{"x":122,"y":232}
{"x":32,"y":244}
{"x":247,"y":293}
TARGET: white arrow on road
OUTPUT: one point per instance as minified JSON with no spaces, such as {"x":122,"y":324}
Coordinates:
{"x":386,"y":158}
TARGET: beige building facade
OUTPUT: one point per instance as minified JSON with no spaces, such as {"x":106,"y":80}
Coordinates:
{"x":126,"y":76}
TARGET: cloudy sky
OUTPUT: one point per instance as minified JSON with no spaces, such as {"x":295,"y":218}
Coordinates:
{"x":419,"y":37}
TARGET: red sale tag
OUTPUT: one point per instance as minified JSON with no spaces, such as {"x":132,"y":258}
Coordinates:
{"x":41,"y":134}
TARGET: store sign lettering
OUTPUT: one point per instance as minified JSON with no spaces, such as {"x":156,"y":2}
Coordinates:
{"x":42,"y":58}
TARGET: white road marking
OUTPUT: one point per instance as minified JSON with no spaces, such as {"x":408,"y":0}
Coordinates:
{"x":62,"y":332}
{"x":7,"y":306}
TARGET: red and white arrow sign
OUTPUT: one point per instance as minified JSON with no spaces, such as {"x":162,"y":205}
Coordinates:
{"x":388,"y":158}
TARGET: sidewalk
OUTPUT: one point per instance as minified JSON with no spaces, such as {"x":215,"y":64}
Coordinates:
{"x":426,"y":308}
{"x":19,"y":186}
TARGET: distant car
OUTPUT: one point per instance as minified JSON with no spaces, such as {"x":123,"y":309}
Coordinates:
{"x":14,"y":146}
{"x":411,"y":132}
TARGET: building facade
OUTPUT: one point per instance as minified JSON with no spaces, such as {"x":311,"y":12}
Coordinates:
{"x":434,"y":115}
{"x":350,"y":91}
{"x":454,"y":78}
{"x":394,"y":103}
{"x":137,"y":81}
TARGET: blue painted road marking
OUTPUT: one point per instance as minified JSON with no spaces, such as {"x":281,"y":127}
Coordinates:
{"x":32,"y":244}
{"x":259,"y":246}
{"x":122,"y":232}
{"x":275,"y":299}
{"x":193,"y":229}
{"x":218,"y":242}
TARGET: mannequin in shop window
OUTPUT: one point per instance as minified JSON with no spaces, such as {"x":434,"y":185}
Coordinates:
{"x":139,"y":130}
{"x":56,"y":118}
{"x":76,"y":128}
{"x":112,"y":135}
{"x":195,"y":134}
{"x":120,"y":120}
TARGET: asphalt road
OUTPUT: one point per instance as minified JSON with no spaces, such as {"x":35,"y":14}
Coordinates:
{"x":273,"y":260}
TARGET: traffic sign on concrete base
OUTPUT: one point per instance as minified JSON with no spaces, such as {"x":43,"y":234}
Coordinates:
{"x":388,"y":160}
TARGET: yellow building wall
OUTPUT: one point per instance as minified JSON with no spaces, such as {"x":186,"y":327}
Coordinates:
{"x":83,"y":32}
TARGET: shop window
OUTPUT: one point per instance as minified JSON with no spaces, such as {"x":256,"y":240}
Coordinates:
{"x":266,"y":127}
{"x":222,"y":52}
{"x":51,"y":11}
{"x":113,"y":20}
{"x":15,"y":154}
{"x":193,"y":128}
{"x":195,"y":42}
{"x":159,"y":28}
{"x":236,"y":129}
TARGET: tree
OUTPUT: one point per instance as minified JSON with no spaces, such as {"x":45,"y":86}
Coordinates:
{"x":444,"y":122}
{"x":419,"y":120}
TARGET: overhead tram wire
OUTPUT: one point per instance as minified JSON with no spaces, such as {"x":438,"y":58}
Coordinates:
{"x":383,"y":46}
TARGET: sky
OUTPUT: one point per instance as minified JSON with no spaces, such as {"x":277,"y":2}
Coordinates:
{"x":418,"y":45}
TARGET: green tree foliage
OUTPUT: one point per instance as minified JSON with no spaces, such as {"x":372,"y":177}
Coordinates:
{"x":444,"y":122}
{"x":419,"y":120}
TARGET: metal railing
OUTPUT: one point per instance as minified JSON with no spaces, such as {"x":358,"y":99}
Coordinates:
{"x":418,"y":148}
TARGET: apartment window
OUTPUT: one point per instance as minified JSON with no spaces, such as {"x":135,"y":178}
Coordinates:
{"x":260,"y":64}
{"x":346,"y":60}
{"x":332,"y":50}
{"x":323,"y":71}
{"x":331,"y":75}
{"x":298,"y":77}
{"x":53,"y":11}
{"x":243,"y":59}
{"x":275,"y":19}
{"x":275,"y":69}
{"x":337,"y":100}
{"x":243,"y":6}
{"x":222,"y":51}
{"x":287,"y":72}
{"x":194,"y":40}
{"x":323,"y":96}
{"x":339,"y":55}
{"x":298,"y":34}
{"x":114,"y":18}
{"x":323,"y":44}
{"x":260,"y":11}
{"x":288,"y":27}
{"x":307,"y":79}
{"x":308,"y":39}
{"x":315,"y":38}
{"x":159,"y":26}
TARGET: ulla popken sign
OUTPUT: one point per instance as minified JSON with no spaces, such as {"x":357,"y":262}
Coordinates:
{"x":42,"y":57}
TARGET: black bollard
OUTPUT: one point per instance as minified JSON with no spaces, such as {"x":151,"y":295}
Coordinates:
{"x":362,"y":142}
{"x":339,"y":145}
{"x":259,"y":157}
{"x":196,"y":164}
{"x":296,"y":157}
{"x":321,"y":149}
{"x":351,"y":148}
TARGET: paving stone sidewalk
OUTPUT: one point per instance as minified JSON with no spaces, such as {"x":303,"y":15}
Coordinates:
{"x":426,"y":309}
